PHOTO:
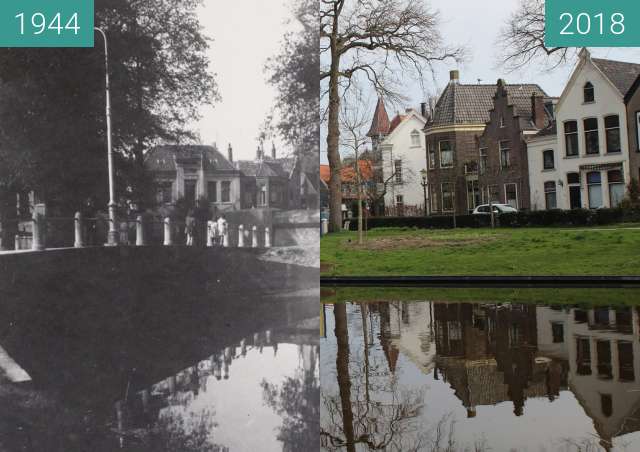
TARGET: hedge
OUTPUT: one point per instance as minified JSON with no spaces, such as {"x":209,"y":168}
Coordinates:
{"x":539,"y":218}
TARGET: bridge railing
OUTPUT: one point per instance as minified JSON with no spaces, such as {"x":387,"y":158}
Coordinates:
{"x":66,"y":232}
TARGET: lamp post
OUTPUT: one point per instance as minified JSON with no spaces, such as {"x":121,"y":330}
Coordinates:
{"x":423,"y":173}
{"x":112,"y":237}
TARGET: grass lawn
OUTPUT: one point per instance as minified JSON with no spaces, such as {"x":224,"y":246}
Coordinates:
{"x":525,"y":251}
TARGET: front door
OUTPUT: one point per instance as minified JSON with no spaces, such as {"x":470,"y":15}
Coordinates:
{"x":190,"y":192}
{"x":575,"y":199}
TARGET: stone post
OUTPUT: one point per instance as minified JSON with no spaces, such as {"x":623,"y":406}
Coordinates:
{"x":225,"y":236}
{"x":325,"y":226}
{"x":38,"y":228}
{"x":254,"y":237}
{"x":209,"y":235}
{"x":17,"y":242}
{"x":267,"y":237}
{"x":241,"y":236}
{"x":168,"y":239}
{"x":139,"y":231}
{"x":78,"y":243}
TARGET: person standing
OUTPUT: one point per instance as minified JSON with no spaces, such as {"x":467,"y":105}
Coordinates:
{"x":222,"y":229}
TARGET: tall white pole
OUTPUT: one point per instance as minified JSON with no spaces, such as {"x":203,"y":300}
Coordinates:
{"x":112,"y":238}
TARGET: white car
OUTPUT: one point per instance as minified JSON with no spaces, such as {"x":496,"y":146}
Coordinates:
{"x":484,"y":209}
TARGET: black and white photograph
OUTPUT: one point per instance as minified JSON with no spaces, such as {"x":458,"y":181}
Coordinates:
{"x":160,"y":232}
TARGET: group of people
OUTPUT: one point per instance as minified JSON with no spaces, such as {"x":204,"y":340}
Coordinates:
{"x":216,"y":229}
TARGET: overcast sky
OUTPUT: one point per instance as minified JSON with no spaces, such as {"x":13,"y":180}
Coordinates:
{"x":475,"y":24}
{"x":245,"y":33}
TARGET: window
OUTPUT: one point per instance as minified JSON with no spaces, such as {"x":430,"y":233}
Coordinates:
{"x":606,"y":403}
{"x":446,"y":154}
{"x":432,"y":156}
{"x":164,"y":192}
{"x":190,"y":191}
{"x":501,"y":121}
{"x":603,"y":350}
{"x":625,"y":361}
{"x":226,"y":191}
{"x":493,"y":194}
{"x":262,"y":201}
{"x":473,"y":195}
{"x":400,"y":205}
{"x":550,"y":195}
{"x":483,"y":160}
{"x":433,"y":198}
{"x":397,"y":170}
{"x":504,"y":155}
{"x":447,"y":197}
{"x":589,"y":93}
{"x":212,"y":191}
{"x":583,"y":356}
{"x":557,"y":330}
{"x":612,"y":132}
{"x":591,"y":139}
{"x":594,"y":184}
{"x":571,"y":138}
{"x":616,"y":187}
{"x":511,"y":195}
{"x":415,"y":138}
{"x":575,"y":192}
{"x":547,"y":159}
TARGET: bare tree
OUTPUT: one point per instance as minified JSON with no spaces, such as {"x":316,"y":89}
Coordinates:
{"x":378,"y":40}
{"x":522,"y":39}
{"x":354,"y":119}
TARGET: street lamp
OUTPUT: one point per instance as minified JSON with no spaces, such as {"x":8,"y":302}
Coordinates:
{"x":423,"y":173}
{"x":112,"y":237}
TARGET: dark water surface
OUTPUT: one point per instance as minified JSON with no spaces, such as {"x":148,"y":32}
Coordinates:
{"x":158,"y":367}
{"x":449,"y":376}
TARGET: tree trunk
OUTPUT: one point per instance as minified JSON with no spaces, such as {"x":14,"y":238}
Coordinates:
{"x":342,"y":371}
{"x":359,"y":182}
{"x":333,"y":143}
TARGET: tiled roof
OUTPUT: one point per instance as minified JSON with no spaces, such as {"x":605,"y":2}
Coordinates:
{"x":162,"y":158}
{"x":550,"y":129}
{"x":396,"y":121}
{"x":264,"y":168}
{"x":621,"y":74}
{"x":470,"y":104}
{"x":380,"y":123}
{"x":325,"y":173}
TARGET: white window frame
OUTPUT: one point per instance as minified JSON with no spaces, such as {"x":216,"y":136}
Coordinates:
{"x":450,"y":150}
{"x":606,"y":134}
{"x":584,"y":134}
{"x":506,"y":200}
{"x":397,"y":171}
{"x":415,"y":139}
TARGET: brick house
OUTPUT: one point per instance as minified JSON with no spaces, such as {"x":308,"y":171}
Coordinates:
{"x":632,"y":102}
{"x":459,"y":117}
{"x":501,"y":173}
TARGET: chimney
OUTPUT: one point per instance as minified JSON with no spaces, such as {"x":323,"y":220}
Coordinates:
{"x":230,"y":153}
{"x":537,"y":110}
{"x":454,"y":76}
{"x":423,"y":109}
{"x":273,"y":150}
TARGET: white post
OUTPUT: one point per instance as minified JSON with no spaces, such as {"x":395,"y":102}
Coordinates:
{"x":267,"y":238}
{"x":37,"y":243}
{"x":225,"y":236}
{"x":17,"y":244}
{"x":79,"y":243}
{"x":168,"y":239}
{"x":139,"y":231}
{"x":241,"y":236}
{"x":209,"y":233}
{"x":254,"y":237}
{"x":325,"y":226}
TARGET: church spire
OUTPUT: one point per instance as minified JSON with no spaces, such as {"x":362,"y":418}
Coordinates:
{"x":380,"y":124}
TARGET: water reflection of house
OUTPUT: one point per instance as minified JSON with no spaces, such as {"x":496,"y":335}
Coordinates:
{"x":600,"y":346}
{"x":488,"y":354}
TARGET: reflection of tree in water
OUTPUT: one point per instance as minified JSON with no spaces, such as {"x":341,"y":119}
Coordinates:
{"x":297,"y":400}
{"x":386,"y":421}
{"x":178,"y":431}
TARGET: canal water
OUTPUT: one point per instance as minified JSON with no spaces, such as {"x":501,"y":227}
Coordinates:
{"x":480,"y":376}
{"x":159,"y":371}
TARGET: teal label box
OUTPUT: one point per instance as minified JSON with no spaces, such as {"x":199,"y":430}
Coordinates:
{"x":592,"y":23}
{"x":46,"y":23}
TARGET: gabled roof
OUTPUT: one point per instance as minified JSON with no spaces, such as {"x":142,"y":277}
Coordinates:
{"x":380,"y":124}
{"x":163,"y":158}
{"x":348,"y":172}
{"x":621,"y":74}
{"x":402,"y":120}
{"x":632,"y":90}
{"x":264,"y":168}
{"x":396,"y":121}
{"x":470,"y":104}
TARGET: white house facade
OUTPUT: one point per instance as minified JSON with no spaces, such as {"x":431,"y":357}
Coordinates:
{"x":403,"y":159}
{"x":591,"y":159}
{"x":545,"y":179}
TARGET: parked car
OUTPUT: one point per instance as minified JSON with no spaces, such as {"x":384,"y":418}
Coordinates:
{"x":484,"y":209}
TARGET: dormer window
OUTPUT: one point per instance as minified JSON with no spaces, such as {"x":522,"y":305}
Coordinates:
{"x":589,"y":93}
{"x":415,"y":138}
